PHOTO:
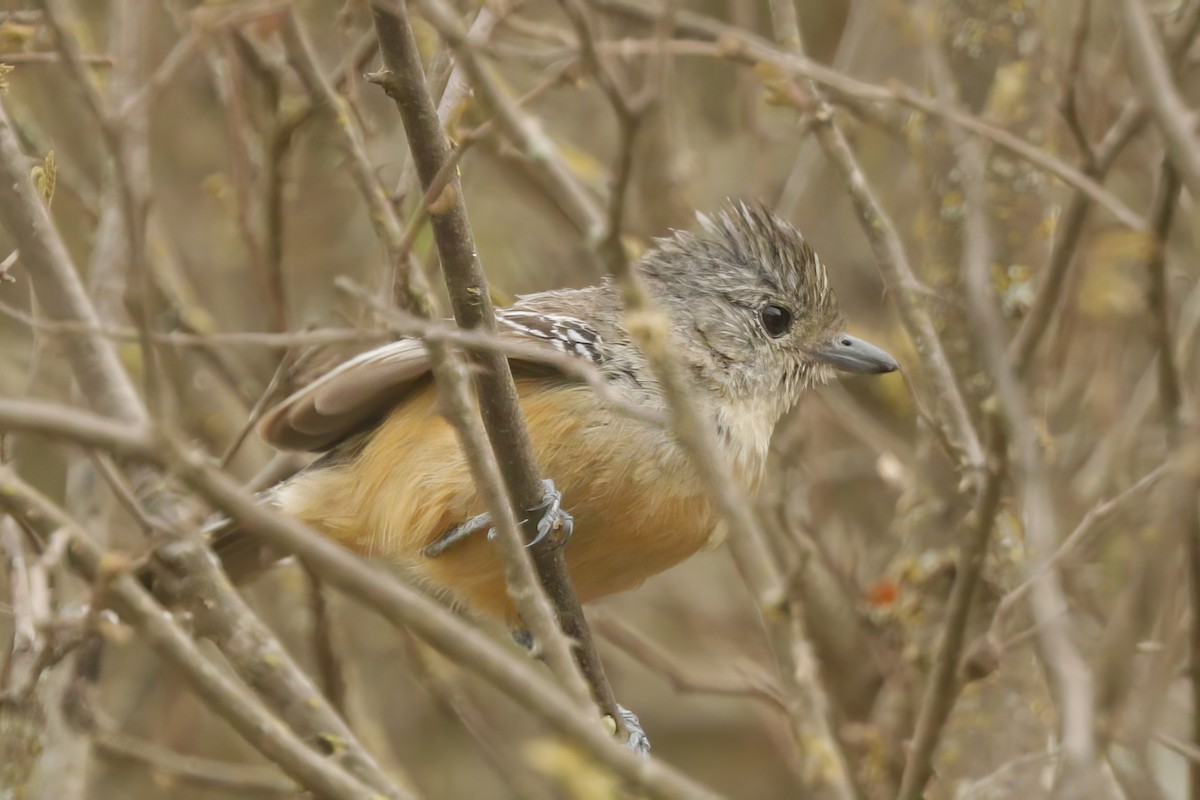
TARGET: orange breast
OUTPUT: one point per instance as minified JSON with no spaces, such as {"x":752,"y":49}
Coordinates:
{"x":637,"y":504}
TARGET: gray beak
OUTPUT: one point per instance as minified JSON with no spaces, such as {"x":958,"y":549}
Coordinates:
{"x":851,"y":354}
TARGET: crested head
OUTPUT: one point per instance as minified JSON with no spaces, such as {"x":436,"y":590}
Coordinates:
{"x":751,"y":302}
{"x":763,"y":247}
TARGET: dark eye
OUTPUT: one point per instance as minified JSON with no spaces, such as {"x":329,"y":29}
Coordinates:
{"x":776,"y":320}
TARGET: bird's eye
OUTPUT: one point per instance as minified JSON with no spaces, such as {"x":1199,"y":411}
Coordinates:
{"x":776,"y":320}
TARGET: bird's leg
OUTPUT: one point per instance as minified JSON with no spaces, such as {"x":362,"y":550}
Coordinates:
{"x":552,"y":515}
{"x":638,"y":742}
{"x":459,"y":533}
{"x":550,"y":509}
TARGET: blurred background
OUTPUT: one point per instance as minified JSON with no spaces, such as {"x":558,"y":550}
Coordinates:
{"x":252,"y":213}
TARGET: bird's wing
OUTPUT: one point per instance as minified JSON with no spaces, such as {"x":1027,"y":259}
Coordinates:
{"x":343,"y":400}
{"x":362,"y":390}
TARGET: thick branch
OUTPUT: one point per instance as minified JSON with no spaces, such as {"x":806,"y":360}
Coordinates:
{"x":404,"y":81}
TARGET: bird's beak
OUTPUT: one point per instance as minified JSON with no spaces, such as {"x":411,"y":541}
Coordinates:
{"x":851,"y":354}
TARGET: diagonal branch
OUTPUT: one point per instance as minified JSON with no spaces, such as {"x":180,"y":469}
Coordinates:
{"x":1153,"y":76}
{"x":1071,"y":678}
{"x":226,"y":697}
{"x":44,"y":256}
{"x":399,"y":603}
{"x":107,"y":387}
{"x":403,"y":79}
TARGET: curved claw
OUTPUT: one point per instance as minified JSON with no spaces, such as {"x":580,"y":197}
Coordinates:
{"x":552,"y":516}
{"x":638,"y":741}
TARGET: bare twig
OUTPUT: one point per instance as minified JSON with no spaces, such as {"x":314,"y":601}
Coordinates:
{"x":1069,"y":230}
{"x":56,"y":281}
{"x":402,"y":605}
{"x":898,"y":275}
{"x":49,"y":57}
{"x":581,"y":208}
{"x":381,"y":211}
{"x":643,"y":649}
{"x":1177,"y":417}
{"x":733,"y":43}
{"x":404,"y":82}
{"x":945,"y":680}
{"x":1095,"y":516}
{"x":30,"y":607}
{"x":1152,"y":73}
{"x":225,"y":696}
{"x":128,"y":147}
{"x":107,"y":388}
{"x":274,"y":341}
{"x":1068,"y":105}
{"x":324,"y":645}
{"x":194,"y":770}
{"x":1071,"y":678}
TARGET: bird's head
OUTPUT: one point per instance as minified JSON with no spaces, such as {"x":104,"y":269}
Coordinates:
{"x":752,"y":308}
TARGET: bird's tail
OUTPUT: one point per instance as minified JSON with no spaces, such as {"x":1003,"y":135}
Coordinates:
{"x":243,"y":557}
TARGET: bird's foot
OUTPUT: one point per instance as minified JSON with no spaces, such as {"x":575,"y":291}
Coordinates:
{"x":552,"y":516}
{"x":638,"y":742}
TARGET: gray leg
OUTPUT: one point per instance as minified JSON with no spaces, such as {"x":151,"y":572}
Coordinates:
{"x":551,"y":514}
{"x":638,"y":741}
{"x":457,"y":534}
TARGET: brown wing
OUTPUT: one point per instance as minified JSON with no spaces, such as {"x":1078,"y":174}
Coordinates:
{"x":343,"y":400}
{"x":365,"y":388}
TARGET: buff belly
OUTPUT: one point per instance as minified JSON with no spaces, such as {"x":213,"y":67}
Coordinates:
{"x":637,"y":504}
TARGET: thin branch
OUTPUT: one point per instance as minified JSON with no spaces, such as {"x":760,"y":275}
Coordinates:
{"x":50,"y":57}
{"x":402,"y":605}
{"x":381,"y":212}
{"x":404,"y":81}
{"x":1095,"y":516}
{"x":274,"y":341}
{"x":30,"y":609}
{"x":180,"y":55}
{"x":1070,"y":676}
{"x":127,"y":144}
{"x":725,"y":41}
{"x":1068,"y":105}
{"x":550,"y":165}
{"x":230,"y":699}
{"x":654,"y":657}
{"x":1177,"y":417}
{"x":56,"y":281}
{"x":324,"y":647}
{"x":944,"y":683}
{"x":1153,"y":76}
{"x":107,"y":388}
{"x":1069,"y":229}
{"x":898,"y":275}
{"x":185,"y":769}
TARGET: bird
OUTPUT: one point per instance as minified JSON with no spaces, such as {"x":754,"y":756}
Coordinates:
{"x":753,"y":321}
